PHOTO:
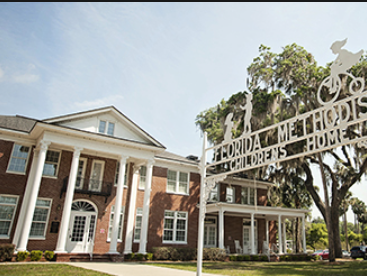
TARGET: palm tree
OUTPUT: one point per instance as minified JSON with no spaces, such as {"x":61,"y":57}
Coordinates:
{"x":344,"y":206}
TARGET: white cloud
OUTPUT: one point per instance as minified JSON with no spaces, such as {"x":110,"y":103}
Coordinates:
{"x":25,"y":78}
{"x":97,"y":103}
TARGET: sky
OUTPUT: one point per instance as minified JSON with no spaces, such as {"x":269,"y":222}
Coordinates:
{"x":160,"y":64}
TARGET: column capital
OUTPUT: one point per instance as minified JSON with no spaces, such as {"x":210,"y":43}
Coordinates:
{"x":123,"y":158}
{"x":43,"y":145}
{"x":150,"y":162}
{"x":77,"y":151}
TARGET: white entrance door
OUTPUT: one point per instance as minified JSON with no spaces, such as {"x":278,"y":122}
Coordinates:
{"x":247,"y":238}
{"x":81,"y":232}
{"x":210,"y":232}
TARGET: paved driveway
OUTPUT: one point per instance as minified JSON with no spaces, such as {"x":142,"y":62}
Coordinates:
{"x":131,"y":269}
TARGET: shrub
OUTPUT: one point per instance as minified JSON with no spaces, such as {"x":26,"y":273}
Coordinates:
{"x":149,"y":256}
{"x":161,"y":253}
{"x":246,"y":258}
{"x":139,"y":257}
{"x":36,"y":255}
{"x":233,"y":258}
{"x":49,"y":255}
{"x":254,"y":257}
{"x":264,"y":258}
{"x":187,"y":254}
{"x":214,"y":254}
{"x":22,"y":255}
{"x":6,"y":252}
{"x":129,"y":256}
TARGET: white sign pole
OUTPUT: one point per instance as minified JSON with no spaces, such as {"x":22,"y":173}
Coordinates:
{"x":202,"y":208}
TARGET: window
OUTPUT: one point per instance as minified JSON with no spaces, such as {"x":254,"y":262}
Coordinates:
{"x":80,"y":174}
{"x":8,"y":205}
{"x":248,"y":196}
{"x":96,"y":176}
{"x":40,"y":218}
{"x":138,"y":220}
{"x":118,"y":172}
{"x":230,"y":194}
{"x":213,"y":196}
{"x":106,"y":127}
{"x":143,"y":177}
{"x":51,"y":163}
{"x":175,"y":227}
{"x":121,"y":221}
{"x":177,"y":182}
{"x":210,"y":232}
{"x":19,"y":158}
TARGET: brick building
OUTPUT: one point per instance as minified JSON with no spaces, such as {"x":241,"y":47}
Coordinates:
{"x":65,"y":180}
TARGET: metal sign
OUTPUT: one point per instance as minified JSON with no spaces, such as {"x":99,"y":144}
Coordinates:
{"x":315,"y":131}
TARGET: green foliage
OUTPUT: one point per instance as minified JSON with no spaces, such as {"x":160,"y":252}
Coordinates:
{"x":149,"y":256}
{"x":139,"y":257}
{"x":6,"y":252}
{"x":264,"y":258}
{"x":36,"y":255}
{"x":129,"y":256}
{"x":22,"y":255}
{"x":317,"y":234}
{"x":174,"y":254}
{"x":254,"y":257}
{"x":49,"y":255}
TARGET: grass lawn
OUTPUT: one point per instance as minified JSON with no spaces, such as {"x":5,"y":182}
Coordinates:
{"x":46,"y":270}
{"x":344,"y":268}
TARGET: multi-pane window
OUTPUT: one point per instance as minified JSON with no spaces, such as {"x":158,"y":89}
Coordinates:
{"x":121,"y":221}
{"x":117,"y":174}
{"x":143,"y":177}
{"x":51,"y":163}
{"x":40,"y":218}
{"x":230,"y":194}
{"x":19,"y":158}
{"x":177,"y":182}
{"x":175,"y":227}
{"x":248,"y":196}
{"x":8,"y":205}
{"x":138,"y":220}
{"x":213,"y":195}
{"x":106,"y":127}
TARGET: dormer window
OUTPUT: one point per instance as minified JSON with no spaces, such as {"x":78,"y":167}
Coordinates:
{"x":106,"y":127}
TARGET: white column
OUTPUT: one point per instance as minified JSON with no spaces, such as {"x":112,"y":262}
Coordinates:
{"x":146,"y":203}
{"x":26,"y":197}
{"x":304,"y":234}
{"x":267,"y":232}
{"x":284,"y":237}
{"x":131,"y":213}
{"x":118,"y":203}
{"x":221,"y":228}
{"x":66,"y":212}
{"x":252,"y":235}
{"x":28,"y":217}
{"x":280,"y":234}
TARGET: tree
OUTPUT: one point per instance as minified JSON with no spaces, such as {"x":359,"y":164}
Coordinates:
{"x":285,"y":85}
{"x":343,"y":209}
{"x":317,"y":234}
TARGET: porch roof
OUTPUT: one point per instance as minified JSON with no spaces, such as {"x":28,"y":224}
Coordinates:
{"x":271,"y":213}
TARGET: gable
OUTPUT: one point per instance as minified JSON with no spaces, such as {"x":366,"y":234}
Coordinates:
{"x":123,"y":128}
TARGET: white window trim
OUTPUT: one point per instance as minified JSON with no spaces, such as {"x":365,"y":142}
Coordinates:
{"x":126,"y":180}
{"x":138,"y":214}
{"x":140,"y":186}
{"x":106,"y":127}
{"x":58,"y":165}
{"x":26,"y":162}
{"x":96,"y":161}
{"x":175,"y":228}
{"x":215,"y":188}
{"x":249,"y":195}
{"x":178,"y":183}
{"x":46,"y":222}
{"x":233,"y":194}
{"x":13,"y":216}
{"x":207,"y":224}
{"x":110,"y":223}
{"x":83,"y":171}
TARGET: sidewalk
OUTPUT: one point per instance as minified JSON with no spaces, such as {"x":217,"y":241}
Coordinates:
{"x":131,"y":269}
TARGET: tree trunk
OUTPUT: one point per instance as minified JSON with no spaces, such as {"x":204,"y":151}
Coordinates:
{"x":336,"y":229}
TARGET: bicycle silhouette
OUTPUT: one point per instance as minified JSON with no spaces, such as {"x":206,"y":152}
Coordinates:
{"x":344,"y":61}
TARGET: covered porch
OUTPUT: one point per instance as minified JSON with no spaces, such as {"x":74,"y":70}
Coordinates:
{"x":249,"y":229}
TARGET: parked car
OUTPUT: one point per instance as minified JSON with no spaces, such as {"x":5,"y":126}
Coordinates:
{"x":358,"y":252}
{"x":325,"y":254}
{"x":319,"y":253}
{"x":345,"y":254}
